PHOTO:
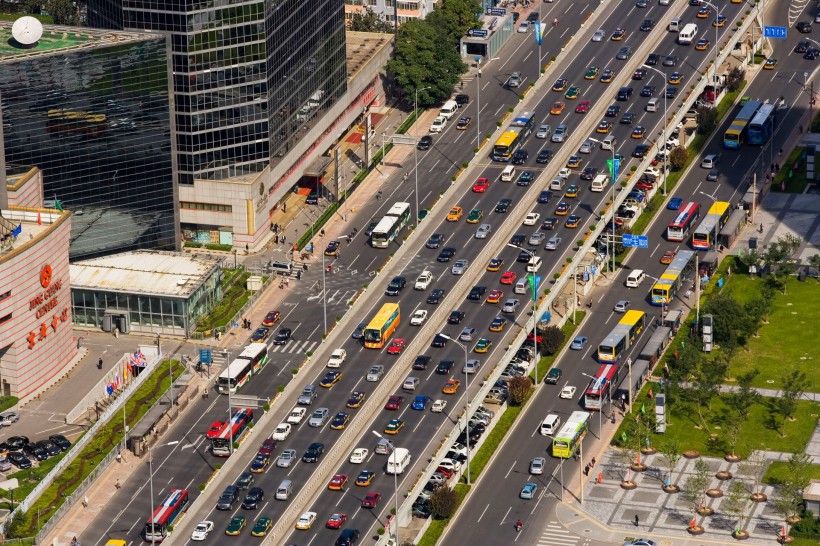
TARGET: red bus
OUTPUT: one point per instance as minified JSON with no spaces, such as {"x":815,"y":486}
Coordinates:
{"x":678,"y":229}
{"x":221,"y":443}
{"x":600,"y":388}
{"x":175,"y":503}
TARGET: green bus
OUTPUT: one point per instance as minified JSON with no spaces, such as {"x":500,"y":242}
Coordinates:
{"x":571,"y":434}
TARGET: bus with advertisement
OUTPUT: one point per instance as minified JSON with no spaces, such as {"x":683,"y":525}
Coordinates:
{"x":507,"y":144}
{"x":673,"y":278}
{"x":174,"y":504}
{"x":705,"y":236}
{"x":566,"y":442}
{"x":525,"y":121}
{"x":678,"y":228}
{"x":600,"y":388}
{"x":249,"y":362}
{"x":222,"y":443}
{"x":761,"y":127}
{"x":390,"y":225}
{"x":382,"y":326}
{"x":735,"y":135}
{"x":622,"y":336}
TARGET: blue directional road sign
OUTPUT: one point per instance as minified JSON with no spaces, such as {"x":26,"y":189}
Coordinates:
{"x":205,"y":356}
{"x":638,"y":241}
{"x":774,"y":32}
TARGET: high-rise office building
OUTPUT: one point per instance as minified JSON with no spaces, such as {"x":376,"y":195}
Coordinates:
{"x":90,"y":109}
{"x":249,"y":76}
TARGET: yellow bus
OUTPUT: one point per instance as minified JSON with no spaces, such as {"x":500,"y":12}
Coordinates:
{"x":705,"y":236}
{"x":571,"y":434}
{"x":622,"y":336}
{"x":382,"y":326}
{"x":507,"y":143}
{"x":676,"y":274}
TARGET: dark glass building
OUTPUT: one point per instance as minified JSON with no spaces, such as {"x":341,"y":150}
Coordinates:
{"x":91,"y":110}
{"x":249,"y":76}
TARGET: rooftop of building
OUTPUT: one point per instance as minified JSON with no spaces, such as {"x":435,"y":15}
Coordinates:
{"x":60,"y":38}
{"x":361,"y":47}
{"x":147,"y":272}
{"x":19,"y":226}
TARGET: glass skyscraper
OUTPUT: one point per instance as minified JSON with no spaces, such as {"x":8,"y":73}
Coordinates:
{"x":91,"y":110}
{"x":249,"y":75}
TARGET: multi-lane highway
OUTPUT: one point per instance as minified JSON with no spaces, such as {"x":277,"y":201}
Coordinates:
{"x":494,"y":504}
{"x":186,"y":464}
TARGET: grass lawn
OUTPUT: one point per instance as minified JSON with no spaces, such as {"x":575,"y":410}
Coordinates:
{"x":797,"y":182}
{"x":782,"y":345}
{"x":776,"y":473}
{"x":757,"y":432}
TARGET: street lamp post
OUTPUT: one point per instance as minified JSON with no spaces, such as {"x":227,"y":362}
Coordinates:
{"x":715,"y":48}
{"x":615,"y":173}
{"x":415,"y":154}
{"x":663,"y":126}
{"x":395,"y":484}
{"x":469,"y":401}
{"x":533,"y":298}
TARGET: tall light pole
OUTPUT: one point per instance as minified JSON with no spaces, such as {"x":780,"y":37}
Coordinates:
{"x":416,"y":154}
{"x":469,"y":401}
{"x":395,"y":483}
{"x":615,"y":173}
{"x":533,"y":299}
{"x":663,"y":126}
{"x":715,"y":48}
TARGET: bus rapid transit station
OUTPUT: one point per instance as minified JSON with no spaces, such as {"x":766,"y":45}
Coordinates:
{"x":680,"y":271}
{"x":705,"y":236}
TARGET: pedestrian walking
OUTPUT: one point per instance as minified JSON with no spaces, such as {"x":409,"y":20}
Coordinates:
{"x":637,"y":520}
{"x":586,"y":470}
{"x":100,"y":364}
{"x":284,"y":207}
{"x":688,"y":293}
{"x":284,"y":239}
{"x":777,"y":167}
{"x":85,"y":505}
{"x":116,"y":333}
{"x":117,"y":484}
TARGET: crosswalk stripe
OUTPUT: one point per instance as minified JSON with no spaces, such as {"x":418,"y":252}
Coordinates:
{"x":557,"y":541}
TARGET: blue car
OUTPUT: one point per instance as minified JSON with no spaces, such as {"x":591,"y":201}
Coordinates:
{"x":528,"y":491}
{"x":637,"y":195}
{"x":544,"y":196}
{"x":420,"y":402}
{"x":578,"y":343}
{"x":674,"y":203}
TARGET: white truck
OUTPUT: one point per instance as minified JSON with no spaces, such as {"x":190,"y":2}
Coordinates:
{"x":337,"y":358}
{"x":687,"y":35}
{"x":423,"y":281}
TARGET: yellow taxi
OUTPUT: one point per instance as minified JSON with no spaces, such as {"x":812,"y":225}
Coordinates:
{"x":603,"y":127}
{"x":495,"y":264}
{"x":702,"y":45}
{"x":573,"y":221}
{"x":720,"y":21}
{"x":557,"y":108}
{"x":495,"y":296}
{"x":483,"y":345}
{"x":591,"y":73}
{"x":607,"y":76}
{"x":573,"y":162}
{"x":560,"y":84}
{"x":451,"y":387}
{"x":618,"y":35}
{"x":638,"y":132}
{"x":572,"y":191}
{"x":675,"y":78}
{"x":498,"y":323}
{"x":455,"y":214}
{"x":770,"y":64}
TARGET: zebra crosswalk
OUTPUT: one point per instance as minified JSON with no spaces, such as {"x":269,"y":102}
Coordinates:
{"x":556,"y":535}
{"x":294,"y":347}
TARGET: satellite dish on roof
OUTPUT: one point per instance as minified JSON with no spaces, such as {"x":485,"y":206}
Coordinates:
{"x":27,"y":30}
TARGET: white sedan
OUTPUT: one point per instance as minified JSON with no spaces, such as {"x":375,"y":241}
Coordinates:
{"x":531,"y":219}
{"x":306,"y":520}
{"x":202,"y":529}
{"x":418,"y":317}
{"x":359,"y":455}
{"x":438,"y":406}
{"x":296,"y":415}
{"x":567,"y":392}
{"x":281,"y":433}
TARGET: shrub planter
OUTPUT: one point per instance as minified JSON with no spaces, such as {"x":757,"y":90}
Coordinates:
{"x":691,"y":454}
{"x":671,"y":489}
{"x":695,"y":530}
{"x":637,"y":467}
{"x":785,"y":539}
{"x":714,"y":493}
{"x":740,"y":535}
{"x":759,"y":497}
{"x":648,"y":450}
{"x":732,"y":458}
{"x":723,"y":475}
{"x":628,"y":485}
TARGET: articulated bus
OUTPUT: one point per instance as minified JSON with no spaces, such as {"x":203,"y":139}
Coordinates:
{"x":677,"y":273}
{"x":230,"y":432}
{"x":390,"y":225}
{"x":566,"y":442}
{"x":600,"y":388}
{"x":175,"y":503}
{"x":736,"y":133}
{"x":678,"y":229}
{"x":249,"y":362}
{"x":382,"y":326}
{"x":705,"y":235}
{"x":762,"y":125}
{"x":622,"y":336}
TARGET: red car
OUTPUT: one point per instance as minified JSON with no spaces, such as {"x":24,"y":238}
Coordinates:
{"x":481,"y":185}
{"x":644,"y":185}
{"x":371,"y":500}
{"x":214,"y":429}
{"x":508,"y":277}
{"x":583,"y":107}
{"x":394,"y":402}
{"x":396,"y":346}
{"x":271,"y":318}
{"x":448,"y":472}
{"x":337,"y":482}
{"x":336,"y":521}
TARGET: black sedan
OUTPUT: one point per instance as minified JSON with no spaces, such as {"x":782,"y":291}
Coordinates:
{"x":425,"y":142}
{"x":435,"y":296}
{"x":446,"y":254}
{"x":19,"y":460}
{"x":283,"y":336}
{"x":313,"y":452}
{"x":253,"y":498}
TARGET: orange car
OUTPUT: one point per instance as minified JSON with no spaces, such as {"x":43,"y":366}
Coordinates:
{"x":557,"y":108}
{"x":668,"y":256}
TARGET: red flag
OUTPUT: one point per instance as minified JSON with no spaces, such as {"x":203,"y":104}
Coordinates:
{"x":693,"y":523}
{"x":39,"y":220}
{"x":650,"y":393}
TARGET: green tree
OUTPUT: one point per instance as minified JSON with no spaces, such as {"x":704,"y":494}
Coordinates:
{"x":778,"y":256}
{"x":551,"y":339}
{"x":31,"y":6}
{"x":728,"y":322}
{"x":422,"y":59}
{"x":368,"y":21}
{"x":707,"y":119}
{"x":789,"y":496}
{"x":695,"y":485}
{"x":443,"y":502}
{"x":63,"y":12}
{"x":734,"y":79}
{"x":705,"y":386}
{"x":671,"y":453}
{"x":794,"y":385}
{"x":741,"y":400}
{"x":678,"y":157}
{"x":16,"y":527}
{"x":753,"y":467}
{"x":737,"y":503}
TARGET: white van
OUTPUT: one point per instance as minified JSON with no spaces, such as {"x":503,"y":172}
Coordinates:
{"x":521,"y":286}
{"x":398,"y":461}
{"x":675,"y":25}
{"x":635,"y":278}
{"x":599,"y":183}
{"x":284,"y":490}
{"x":609,"y":143}
{"x":508,"y":174}
{"x":652,"y":105}
{"x":534,"y":264}
{"x":557,"y":183}
{"x":550,"y":425}
{"x":687,"y":35}
{"x":449,"y":109}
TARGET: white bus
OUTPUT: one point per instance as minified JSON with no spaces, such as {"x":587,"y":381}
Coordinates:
{"x":389,"y":227}
{"x":238,"y":372}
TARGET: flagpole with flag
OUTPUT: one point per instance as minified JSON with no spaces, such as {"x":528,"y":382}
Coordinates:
{"x":57,"y":204}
